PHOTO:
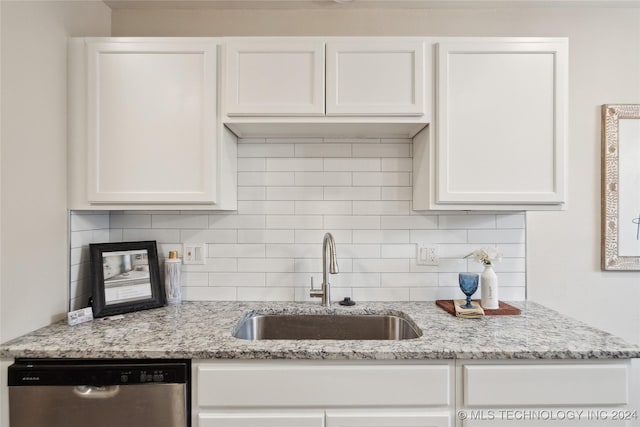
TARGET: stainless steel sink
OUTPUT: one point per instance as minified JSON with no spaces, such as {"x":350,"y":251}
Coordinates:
{"x":326,"y":327}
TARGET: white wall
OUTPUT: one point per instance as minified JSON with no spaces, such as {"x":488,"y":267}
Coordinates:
{"x":34,"y":223}
{"x":563,"y":247}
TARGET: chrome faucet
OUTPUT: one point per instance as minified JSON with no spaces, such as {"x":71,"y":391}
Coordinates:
{"x":325,"y":291}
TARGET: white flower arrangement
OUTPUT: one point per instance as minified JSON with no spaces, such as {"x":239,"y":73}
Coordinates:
{"x":487,"y":256}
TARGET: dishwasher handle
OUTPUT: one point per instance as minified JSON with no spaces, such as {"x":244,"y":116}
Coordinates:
{"x":96,"y":392}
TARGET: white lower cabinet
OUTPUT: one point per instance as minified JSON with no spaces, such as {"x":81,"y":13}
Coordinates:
{"x":325,"y":393}
{"x":262,"y":419}
{"x":438,"y":393}
{"x":545,"y":393}
{"x":387,"y":419}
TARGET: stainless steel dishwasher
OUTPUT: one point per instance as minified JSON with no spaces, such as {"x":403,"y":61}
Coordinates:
{"x":99,"y":393}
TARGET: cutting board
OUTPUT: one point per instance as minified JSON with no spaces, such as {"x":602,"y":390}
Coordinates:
{"x":503,"y":309}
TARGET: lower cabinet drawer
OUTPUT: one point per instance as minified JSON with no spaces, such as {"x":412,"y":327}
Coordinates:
{"x":289,"y":419}
{"x":242,"y":385}
{"x":536,"y":385}
{"x":387,"y":419}
{"x":331,"y":418}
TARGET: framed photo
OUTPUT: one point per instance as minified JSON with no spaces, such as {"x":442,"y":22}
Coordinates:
{"x":620,"y":187}
{"x":125,"y":277}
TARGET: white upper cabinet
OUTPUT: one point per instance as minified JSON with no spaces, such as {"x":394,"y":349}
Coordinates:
{"x":375,"y":77}
{"x":375,"y":86}
{"x":500,"y":137}
{"x":144,"y":126}
{"x":275,"y":77}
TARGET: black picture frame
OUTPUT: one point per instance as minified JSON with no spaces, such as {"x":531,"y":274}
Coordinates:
{"x":125,"y":277}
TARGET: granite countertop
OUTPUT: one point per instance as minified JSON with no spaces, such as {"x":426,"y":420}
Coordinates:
{"x":202,"y":330}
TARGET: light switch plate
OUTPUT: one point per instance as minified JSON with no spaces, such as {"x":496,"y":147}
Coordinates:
{"x":194,"y":253}
{"x":427,"y":255}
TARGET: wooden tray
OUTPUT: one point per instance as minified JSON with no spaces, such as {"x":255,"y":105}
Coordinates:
{"x":503,"y":309}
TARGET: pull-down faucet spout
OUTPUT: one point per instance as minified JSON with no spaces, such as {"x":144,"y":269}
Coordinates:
{"x":325,"y":291}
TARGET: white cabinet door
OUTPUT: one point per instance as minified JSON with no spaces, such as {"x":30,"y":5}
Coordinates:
{"x":501,"y":127}
{"x":151,"y":120}
{"x":358,"y":418}
{"x":262,"y":419}
{"x":275,"y":77}
{"x":375,"y":77}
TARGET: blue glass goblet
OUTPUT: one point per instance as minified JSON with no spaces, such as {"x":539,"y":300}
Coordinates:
{"x":468,"y":285}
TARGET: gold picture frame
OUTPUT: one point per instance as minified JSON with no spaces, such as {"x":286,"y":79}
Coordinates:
{"x":621,"y":187}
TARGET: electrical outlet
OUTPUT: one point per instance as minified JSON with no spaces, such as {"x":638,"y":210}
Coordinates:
{"x":194,"y":253}
{"x":427,"y":255}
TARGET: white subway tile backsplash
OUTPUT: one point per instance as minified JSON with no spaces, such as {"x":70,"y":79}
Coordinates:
{"x":265,"y":178}
{"x":237,"y":279}
{"x":266,"y":294}
{"x":291,"y":191}
{"x":265,"y":150}
{"x":180,"y":221}
{"x":398,"y":251}
{"x":295,"y":222}
{"x":197,"y":293}
{"x":380,"y":294}
{"x":381,"y":208}
{"x":252,"y":193}
{"x":237,"y":221}
{"x":129,"y":221}
{"x":294,"y":164}
{"x":380,"y":265}
{"x":265,"y":236}
{"x":323,"y":150}
{"x":381,"y":179}
{"x":195,"y":278}
{"x":315,"y":236}
{"x":332,"y":222}
{"x":439,"y":236}
{"x":414,"y":222}
{"x":351,"y":193}
{"x":85,"y":222}
{"x":223,"y":250}
{"x":380,"y":150}
{"x":341,"y":207}
{"x":209,"y":236}
{"x":352,"y":165}
{"x":273,"y":207}
{"x":497,"y":236}
{"x":467,"y":221}
{"x":397,"y":165}
{"x":511,"y":220}
{"x":267,"y":265}
{"x":380,"y":236}
{"x":252,"y":164}
{"x":135,"y":234}
{"x":322,"y":178}
{"x":396,"y":193}
{"x":295,"y":193}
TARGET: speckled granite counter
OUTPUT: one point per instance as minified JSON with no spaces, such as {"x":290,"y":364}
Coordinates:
{"x":202,"y":330}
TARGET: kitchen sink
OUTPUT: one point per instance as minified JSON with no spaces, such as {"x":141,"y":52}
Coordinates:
{"x":326,"y":327}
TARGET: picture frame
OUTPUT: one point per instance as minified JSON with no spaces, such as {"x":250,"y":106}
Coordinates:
{"x":125,"y":277}
{"x":620,"y":187}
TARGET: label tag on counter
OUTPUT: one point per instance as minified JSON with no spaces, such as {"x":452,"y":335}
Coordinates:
{"x":79,"y":316}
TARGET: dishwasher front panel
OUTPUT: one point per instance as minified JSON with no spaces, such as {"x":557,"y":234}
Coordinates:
{"x":99,"y":394}
{"x":153,"y":405}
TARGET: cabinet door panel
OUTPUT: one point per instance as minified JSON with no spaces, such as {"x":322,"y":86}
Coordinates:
{"x":151,"y":122}
{"x":535,"y":385}
{"x":311,"y":419}
{"x":387,"y":419}
{"x":375,"y":77}
{"x":279,"y":77}
{"x":501,"y":123}
{"x":234,"y":385}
